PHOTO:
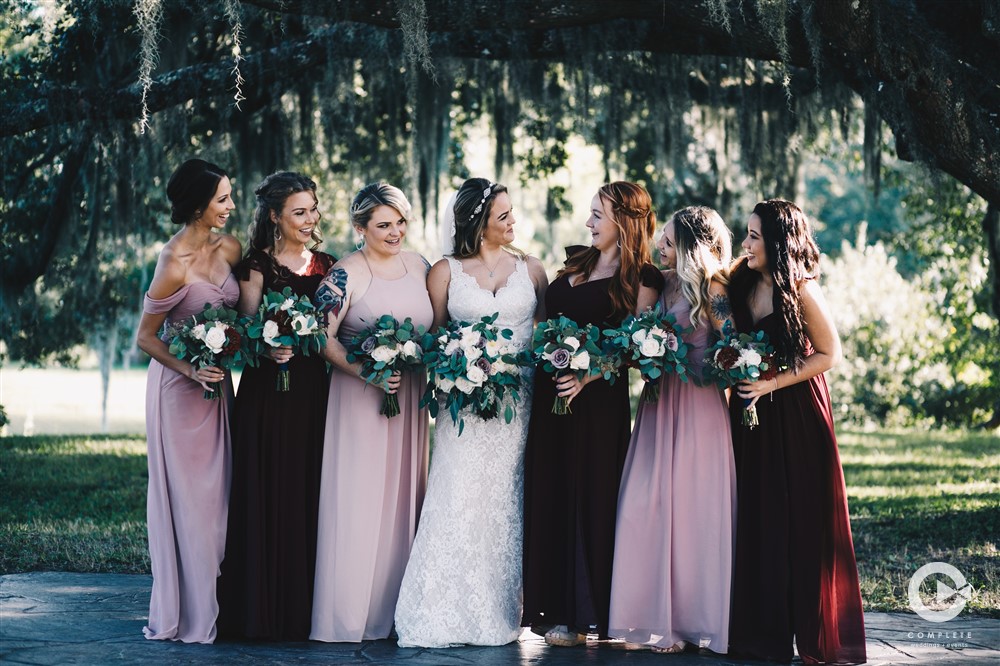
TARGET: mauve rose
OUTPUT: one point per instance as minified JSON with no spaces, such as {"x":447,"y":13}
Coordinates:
{"x":483,"y":364}
{"x":670,"y":340}
{"x":369,"y":344}
{"x":560,"y":359}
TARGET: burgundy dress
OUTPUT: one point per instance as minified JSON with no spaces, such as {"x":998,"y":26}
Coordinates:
{"x":266,"y":587}
{"x":572,"y":470}
{"x":795,"y":572}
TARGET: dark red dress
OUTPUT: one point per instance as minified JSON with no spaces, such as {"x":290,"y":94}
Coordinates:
{"x":572,"y":471}
{"x":795,"y":573}
{"x":266,"y":588}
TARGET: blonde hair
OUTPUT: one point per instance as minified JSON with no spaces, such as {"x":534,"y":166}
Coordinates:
{"x":704,"y":252}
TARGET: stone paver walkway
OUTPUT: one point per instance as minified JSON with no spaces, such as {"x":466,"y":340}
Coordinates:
{"x":96,"y":619}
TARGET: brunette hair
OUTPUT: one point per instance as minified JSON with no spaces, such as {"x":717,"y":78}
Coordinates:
{"x":191,"y":188}
{"x":472,"y":209}
{"x":271,"y":195}
{"x":792,"y":256}
{"x":633,"y":214}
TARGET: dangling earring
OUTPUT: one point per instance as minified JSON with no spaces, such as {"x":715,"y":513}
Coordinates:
{"x":619,"y":243}
{"x":361,"y":243}
{"x":277,"y":234}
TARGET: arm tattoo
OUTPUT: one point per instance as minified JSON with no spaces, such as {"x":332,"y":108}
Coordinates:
{"x":720,"y":307}
{"x":331,"y":291}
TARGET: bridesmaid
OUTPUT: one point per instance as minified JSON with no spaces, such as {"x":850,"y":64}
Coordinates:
{"x":188,"y":436}
{"x":374,"y":468}
{"x":573,"y":463}
{"x":795,"y":574}
{"x":267,"y":576}
{"x":677,"y":507}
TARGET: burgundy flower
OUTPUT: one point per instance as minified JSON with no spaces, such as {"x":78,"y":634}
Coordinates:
{"x":369,"y":344}
{"x":727,"y":357}
{"x":233,"y":341}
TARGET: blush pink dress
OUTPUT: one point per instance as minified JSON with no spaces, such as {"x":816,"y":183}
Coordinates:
{"x":676,"y":525}
{"x":189,"y":465}
{"x":373,"y":481}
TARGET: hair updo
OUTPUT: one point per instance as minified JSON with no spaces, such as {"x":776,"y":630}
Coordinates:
{"x":270,"y":196}
{"x":473,"y":205}
{"x":372,"y":196}
{"x":191,"y":188}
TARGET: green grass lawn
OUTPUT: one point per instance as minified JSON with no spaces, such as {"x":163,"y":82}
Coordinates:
{"x":78,"y":504}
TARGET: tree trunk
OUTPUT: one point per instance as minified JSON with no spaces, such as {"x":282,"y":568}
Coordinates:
{"x":106,"y":344}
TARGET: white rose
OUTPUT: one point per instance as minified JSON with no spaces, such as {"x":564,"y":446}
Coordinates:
{"x":464,"y":385}
{"x":656,"y":330}
{"x":580,"y":361}
{"x":639,"y":336}
{"x":301,"y":324}
{"x":493,"y":348}
{"x":451,"y":347}
{"x":384,"y":354}
{"x":215,"y":339}
{"x":287,"y":304}
{"x":573,"y":343}
{"x":271,"y":332}
{"x":443,"y":340}
{"x":410,"y":349}
{"x":198,"y":332}
{"x":472,"y":353}
{"x":444,"y":383}
{"x":651,"y":347}
{"x":475,"y":375}
{"x":749,"y":357}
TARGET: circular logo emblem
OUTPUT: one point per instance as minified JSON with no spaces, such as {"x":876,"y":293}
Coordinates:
{"x":949,"y":599}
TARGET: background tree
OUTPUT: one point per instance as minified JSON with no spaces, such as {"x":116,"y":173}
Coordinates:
{"x":721,"y":102}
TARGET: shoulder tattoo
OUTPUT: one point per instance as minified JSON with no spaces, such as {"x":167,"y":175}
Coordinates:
{"x":720,"y":307}
{"x":331,"y":292}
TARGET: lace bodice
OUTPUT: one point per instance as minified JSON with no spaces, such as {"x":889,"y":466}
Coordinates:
{"x":515,"y":301}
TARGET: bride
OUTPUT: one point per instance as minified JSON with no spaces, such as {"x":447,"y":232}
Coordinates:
{"x":463,"y":581}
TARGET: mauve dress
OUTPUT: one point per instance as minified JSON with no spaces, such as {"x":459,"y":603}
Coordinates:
{"x":187,"y":439}
{"x":374,"y":478}
{"x":677,"y":510}
{"x":795,"y":572}
{"x":265,"y":591}
{"x":572,"y":470}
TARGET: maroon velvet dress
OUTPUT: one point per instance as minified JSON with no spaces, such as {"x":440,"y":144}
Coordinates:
{"x":266,"y":587}
{"x":572,"y":471}
{"x":795,"y":573}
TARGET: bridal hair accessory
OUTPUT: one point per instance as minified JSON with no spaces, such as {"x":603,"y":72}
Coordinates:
{"x":486,"y":195}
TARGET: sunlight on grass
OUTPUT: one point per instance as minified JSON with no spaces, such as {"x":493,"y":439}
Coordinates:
{"x":77,"y":503}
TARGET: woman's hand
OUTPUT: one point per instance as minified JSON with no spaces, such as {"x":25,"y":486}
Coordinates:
{"x":207,"y":376}
{"x":753,"y":390}
{"x":392,"y":384}
{"x":282,"y":354}
{"x":568,"y":386}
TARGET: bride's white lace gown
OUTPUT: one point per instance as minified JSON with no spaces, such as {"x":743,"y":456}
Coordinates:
{"x":463,"y":581}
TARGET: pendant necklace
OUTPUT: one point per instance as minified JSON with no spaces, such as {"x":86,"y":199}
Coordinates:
{"x":486,"y":266}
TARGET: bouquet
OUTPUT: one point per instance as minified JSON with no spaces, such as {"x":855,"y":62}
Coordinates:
{"x":652,"y":342}
{"x":386,"y":347}
{"x":285,"y":319}
{"x":743,"y":356}
{"x":212,"y":338}
{"x":472,"y":366}
{"x":561,"y":346}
